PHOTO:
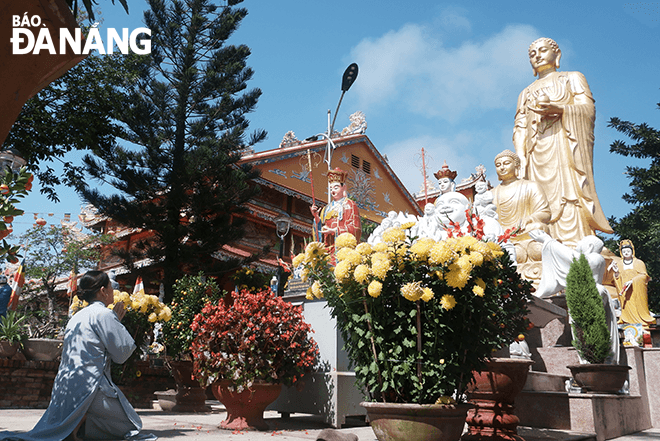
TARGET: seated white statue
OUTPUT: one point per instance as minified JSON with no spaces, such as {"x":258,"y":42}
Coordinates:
{"x":483,"y":201}
{"x":428,"y":225}
{"x":452,"y":206}
{"x":556,"y":261}
{"x":377,"y":235}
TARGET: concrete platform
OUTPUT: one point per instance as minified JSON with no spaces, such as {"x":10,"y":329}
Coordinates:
{"x":203,"y":426}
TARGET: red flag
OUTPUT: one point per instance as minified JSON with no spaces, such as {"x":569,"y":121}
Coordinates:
{"x":139,"y":286}
{"x":16,"y":287}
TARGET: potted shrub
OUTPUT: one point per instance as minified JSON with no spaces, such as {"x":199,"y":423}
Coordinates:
{"x":191,"y":293}
{"x":12,"y":334}
{"x":245,"y":350}
{"x":143,"y":311}
{"x":418,"y":318}
{"x":591,"y":336}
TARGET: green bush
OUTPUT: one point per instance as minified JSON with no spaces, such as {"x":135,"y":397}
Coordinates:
{"x":12,"y":328}
{"x":191,"y":294}
{"x":585,"y":305}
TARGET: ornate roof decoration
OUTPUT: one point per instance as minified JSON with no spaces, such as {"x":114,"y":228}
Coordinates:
{"x":289,"y":140}
{"x":358,"y":124}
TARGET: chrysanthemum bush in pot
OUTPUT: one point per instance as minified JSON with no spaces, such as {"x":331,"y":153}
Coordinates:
{"x":143,"y":311}
{"x":418,"y":318}
{"x":256,"y":337}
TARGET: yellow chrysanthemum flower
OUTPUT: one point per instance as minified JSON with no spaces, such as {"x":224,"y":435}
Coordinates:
{"x":408,"y":225}
{"x":479,"y":287}
{"x":464,"y":262}
{"x":298,"y":260}
{"x":428,"y":294}
{"x":379,"y":268}
{"x":412,"y":291}
{"x":364,"y":249}
{"x":316,"y":290}
{"x":422,"y":248}
{"x":393,"y":235}
{"x":309,"y":295}
{"x":152,"y":317}
{"x":314,"y":251}
{"x":345,"y":240}
{"x":465,"y":242}
{"x":457,"y":277}
{"x":441,"y":253}
{"x":353,"y":257}
{"x":476,"y":258}
{"x":342,"y":270}
{"x":375,"y":288}
{"x":342,"y":253}
{"x":380,"y":247}
{"x":361,"y":273}
{"x":447,"y":301}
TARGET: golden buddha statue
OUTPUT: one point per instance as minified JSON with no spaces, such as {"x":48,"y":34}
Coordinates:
{"x":631,"y":279}
{"x":554,"y":137}
{"x":520,"y":203}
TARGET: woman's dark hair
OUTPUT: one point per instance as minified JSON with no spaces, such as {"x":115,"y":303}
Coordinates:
{"x":91,"y":283}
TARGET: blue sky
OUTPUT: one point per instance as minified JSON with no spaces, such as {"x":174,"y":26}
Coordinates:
{"x":440,"y":75}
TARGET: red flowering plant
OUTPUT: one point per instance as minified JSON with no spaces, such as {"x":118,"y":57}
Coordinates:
{"x":258,"y":338}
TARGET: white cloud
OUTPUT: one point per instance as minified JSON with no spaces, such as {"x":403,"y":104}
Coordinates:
{"x":411,"y":70}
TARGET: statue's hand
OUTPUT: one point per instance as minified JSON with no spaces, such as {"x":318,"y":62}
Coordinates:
{"x":539,"y":236}
{"x":547,"y":109}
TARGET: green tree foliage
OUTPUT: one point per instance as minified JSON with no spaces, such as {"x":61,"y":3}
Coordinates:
{"x":52,"y":252}
{"x":642,"y":224}
{"x":184,"y":123}
{"x":191,"y":294}
{"x":585,"y":305}
{"x":72,"y":113}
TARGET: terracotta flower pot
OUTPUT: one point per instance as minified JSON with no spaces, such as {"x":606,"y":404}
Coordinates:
{"x":42,"y":349}
{"x":416,"y":422}
{"x":8,"y":350}
{"x":493,"y":393}
{"x":600,"y":378}
{"x":245,"y":410}
{"x":190,"y":396}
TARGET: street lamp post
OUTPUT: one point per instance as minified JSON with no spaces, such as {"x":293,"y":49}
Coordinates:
{"x":282,"y":224}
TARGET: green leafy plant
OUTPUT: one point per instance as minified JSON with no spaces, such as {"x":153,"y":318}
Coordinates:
{"x":259,"y":337}
{"x":191,"y":293}
{"x":12,"y":328}
{"x":419,"y":317}
{"x":143,"y":311}
{"x":251,"y":280}
{"x":591,"y":337}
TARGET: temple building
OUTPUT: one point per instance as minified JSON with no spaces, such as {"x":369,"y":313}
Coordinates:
{"x":287,"y":185}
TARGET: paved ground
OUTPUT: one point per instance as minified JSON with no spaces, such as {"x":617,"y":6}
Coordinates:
{"x":203,"y":426}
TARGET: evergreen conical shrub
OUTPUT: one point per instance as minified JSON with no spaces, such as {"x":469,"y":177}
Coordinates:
{"x":585,"y":305}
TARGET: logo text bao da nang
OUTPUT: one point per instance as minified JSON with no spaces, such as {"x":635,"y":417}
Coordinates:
{"x":30,"y":36}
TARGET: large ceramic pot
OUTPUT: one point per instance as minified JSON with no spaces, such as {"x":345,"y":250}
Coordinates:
{"x":600,"y":378}
{"x":416,"y":422}
{"x":493,"y":393}
{"x":42,"y":349}
{"x":8,"y":350}
{"x":190,"y":396}
{"x":245,"y":409}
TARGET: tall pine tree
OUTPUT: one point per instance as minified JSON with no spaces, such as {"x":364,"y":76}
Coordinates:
{"x":185,"y":124}
{"x":642,"y":224}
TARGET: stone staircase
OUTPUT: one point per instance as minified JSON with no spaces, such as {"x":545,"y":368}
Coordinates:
{"x":545,"y":402}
